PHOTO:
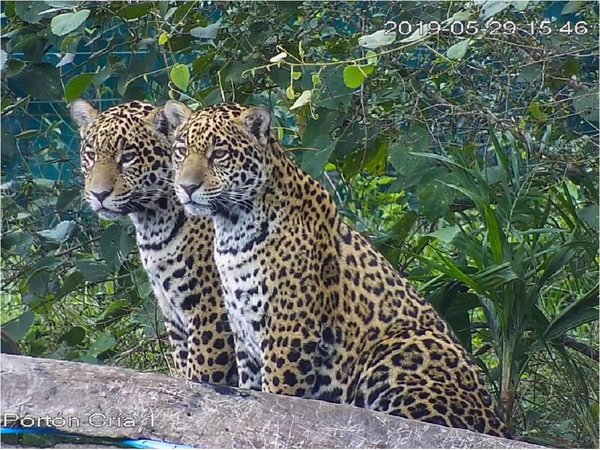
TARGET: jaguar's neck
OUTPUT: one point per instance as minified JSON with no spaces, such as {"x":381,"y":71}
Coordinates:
{"x":288,"y":199}
{"x":157,"y":224}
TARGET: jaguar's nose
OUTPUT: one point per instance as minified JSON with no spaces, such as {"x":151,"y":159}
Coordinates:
{"x":101,"y":196}
{"x":189,"y":189}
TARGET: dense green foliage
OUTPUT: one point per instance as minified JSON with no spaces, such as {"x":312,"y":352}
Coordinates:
{"x":468,"y":156}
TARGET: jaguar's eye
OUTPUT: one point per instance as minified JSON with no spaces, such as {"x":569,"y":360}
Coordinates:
{"x":88,"y":156}
{"x":128,"y":157}
{"x":179,"y":152}
{"x":88,"y":151}
{"x":220,"y":154}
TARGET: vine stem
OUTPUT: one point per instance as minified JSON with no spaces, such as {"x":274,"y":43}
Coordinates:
{"x":333,"y":63}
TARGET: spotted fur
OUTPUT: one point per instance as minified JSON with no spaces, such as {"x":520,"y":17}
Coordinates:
{"x":126,"y":158}
{"x":316,"y":311}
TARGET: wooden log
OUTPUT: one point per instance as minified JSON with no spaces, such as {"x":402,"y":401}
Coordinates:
{"x":120,"y":403}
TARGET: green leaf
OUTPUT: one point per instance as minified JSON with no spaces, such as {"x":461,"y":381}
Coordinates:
{"x":316,"y":80}
{"x":554,"y":264}
{"x":304,"y":99}
{"x":60,"y":233}
{"x":103,"y":342}
{"x":65,"y":23}
{"x":42,"y":81}
{"x":109,"y":244}
{"x":531,"y":72}
{"x":208,"y":32}
{"x":582,"y":310}
{"x":434,"y":199}
{"x":494,"y":234}
{"x":317,"y":138}
{"x":74,"y":336}
{"x":66,"y":60}
{"x":9,"y":9}
{"x":572,"y":7}
{"x":378,"y":39}
{"x":572,"y":67}
{"x":335,"y":95}
{"x":201,"y":64}
{"x":66,"y":198}
{"x":589,"y":214}
{"x":372,"y":58}
{"x":70,"y":4}
{"x":92,"y":270}
{"x":449,"y":268}
{"x":163,"y":39}
{"x":499,"y":151}
{"x":37,"y":283}
{"x":458,"y":50}
{"x":445,"y":234}
{"x":585,"y":103}
{"x":30,"y":11}
{"x":14,"y":67}
{"x":416,"y":140}
{"x":102,"y":75}
{"x":77,"y":85}
{"x":115,"y":311}
{"x":289,"y":92}
{"x":142,"y":284}
{"x":537,"y":113}
{"x":135,"y":11}
{"x":376,"y":165}
{"x":367,"y":69}
{"x":493,"y":7}
{"x":126,"y":243}
{"x":18,"y":328}
{"x":22,"y":240}
{"x":70,"y":43}
{"x":520,"y":5}
{"x":180,"y":76}
{"x":278,"y":57}
{"x":71,"y":282}
{"x":353,"y":77}
{"x":27,"y":134}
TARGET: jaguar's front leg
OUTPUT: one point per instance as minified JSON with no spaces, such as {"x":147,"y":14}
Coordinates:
{"x":249,"y":370}
{"x":179,"y":347}
{"x":211,"y":357}
{"x":291,"y":364}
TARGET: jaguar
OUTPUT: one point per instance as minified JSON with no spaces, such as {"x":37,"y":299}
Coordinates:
{"x":126,"y":162}
{"x":316,"y":311}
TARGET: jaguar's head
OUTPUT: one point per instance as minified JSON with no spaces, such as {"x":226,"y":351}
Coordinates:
{"x":220,"y":156}
{"x":125,"y":156}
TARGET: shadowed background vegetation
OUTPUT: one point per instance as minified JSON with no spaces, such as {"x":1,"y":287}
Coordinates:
{"x":469,"y":157}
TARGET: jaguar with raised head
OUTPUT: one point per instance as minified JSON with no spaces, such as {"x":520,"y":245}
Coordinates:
{"x":126,"y":161}
{"x":316,"y":311}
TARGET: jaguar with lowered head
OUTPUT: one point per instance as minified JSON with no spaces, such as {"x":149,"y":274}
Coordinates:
{"x":126,"y":162}
{"x":316,"y":311}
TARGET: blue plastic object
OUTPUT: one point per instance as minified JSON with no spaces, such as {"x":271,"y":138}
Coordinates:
{"x":130,"y":443}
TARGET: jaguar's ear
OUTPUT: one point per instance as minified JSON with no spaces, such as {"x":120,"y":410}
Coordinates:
{"x":176,"y":112}
{"x":257,"y":121}
{"x":83,"y":114}
{"x":159,"y":121}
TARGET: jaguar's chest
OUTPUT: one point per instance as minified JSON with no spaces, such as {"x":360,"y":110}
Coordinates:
{"x":167,"y":276}
{"x":246,"y":299}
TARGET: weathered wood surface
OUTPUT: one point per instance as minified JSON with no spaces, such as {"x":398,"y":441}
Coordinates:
{"x":151,"y":406}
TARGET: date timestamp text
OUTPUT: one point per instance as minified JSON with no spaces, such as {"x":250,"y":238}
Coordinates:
{"x":494,"y":27}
